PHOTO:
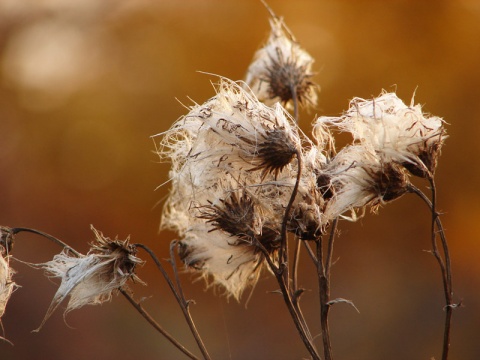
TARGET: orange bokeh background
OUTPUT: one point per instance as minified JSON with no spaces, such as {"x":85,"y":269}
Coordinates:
{"x":84,"y":84}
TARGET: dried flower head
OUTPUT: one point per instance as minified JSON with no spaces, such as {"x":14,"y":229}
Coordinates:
{"x":395,"y":131}
{"x":91,"y":279}
{"x":356,"y":178}
{"x":231,"y":141}
{"x":281,"y":70}
{"x":234,"y":164}
{"x":235,"y":263}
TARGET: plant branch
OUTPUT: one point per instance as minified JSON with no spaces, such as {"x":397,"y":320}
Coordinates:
{"x":291,"y":300}
{"x":283,"y":252}
{"x":178,"y":293}
{"x":47,"y":236}
{"x":157,"y":326}
{"x":323,"y":271}
{"x":445,"y":265}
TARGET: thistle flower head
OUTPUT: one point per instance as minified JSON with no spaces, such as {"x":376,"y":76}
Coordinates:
{"x":395,"y":131}
{"x":281,"y":69}
{"x":231,"y":141}
{"x":91,"y":279}
{"x":234,"y":263}
{"x":357,"y":177}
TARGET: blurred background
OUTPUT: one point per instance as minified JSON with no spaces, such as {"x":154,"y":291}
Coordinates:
{"x":84,"y":84}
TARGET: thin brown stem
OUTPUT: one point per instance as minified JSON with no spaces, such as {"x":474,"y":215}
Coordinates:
{"x":178,"y":293}
{"x":324,"y":294}
{"x":283,"y":252}
{"x":157,"y":326}
{"x":296,"y":261}
{"x":47,"y":236}
{"x":444,"y":264}
{"x":291,"y":301}
{"x":331,"y":239}
{"x":310,"y":252}
{"x":297,"y":317}
{"x":323,"y":272}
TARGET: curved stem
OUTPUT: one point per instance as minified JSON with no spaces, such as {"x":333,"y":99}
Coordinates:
{"x":445,"y":265}
{"x":47,"y":236}
{"x":291,"y":302}
{"x":178,"y":293}
{"x":157,"y":326}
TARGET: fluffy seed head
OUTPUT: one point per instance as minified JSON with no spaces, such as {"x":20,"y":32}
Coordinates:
{"x":395,"y":131}
{"x":282,"y":70}
{"x":91,"y":279}
{"x":357,"y":177}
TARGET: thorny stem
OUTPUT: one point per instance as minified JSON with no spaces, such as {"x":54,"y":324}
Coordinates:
{"x":445,"y":266}
{"x":323,"y":271}
{"x":157,"y":326}
{"x":178,"y":293}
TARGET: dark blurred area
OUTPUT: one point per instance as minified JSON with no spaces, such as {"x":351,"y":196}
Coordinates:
{"x":84,"y":84}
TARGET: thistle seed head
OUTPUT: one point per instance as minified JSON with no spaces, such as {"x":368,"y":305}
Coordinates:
{"x":396,"y":132}
{"x":91,"y":279}
{"x":281,"y":70}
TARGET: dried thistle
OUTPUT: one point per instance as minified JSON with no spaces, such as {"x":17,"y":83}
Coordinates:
{"x":231,"y":141}
{"x":357,"y":178}
{"x":281,"y":70}
{"x":232,"y":263}
{"x":395,"y":131}
{"x":91,"y":279}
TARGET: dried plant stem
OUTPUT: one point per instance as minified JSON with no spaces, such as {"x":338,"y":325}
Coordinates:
{"x":152,"y":322}
{"x":296,"y":261}
{"x":47,"y":236}
{"x":283,"y":252}
{"x":323,"y":271}
{"x":291,"y":300}
{"x":288,"y":290}
{"x":178,"y":293}
{"x":444,"y":263}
